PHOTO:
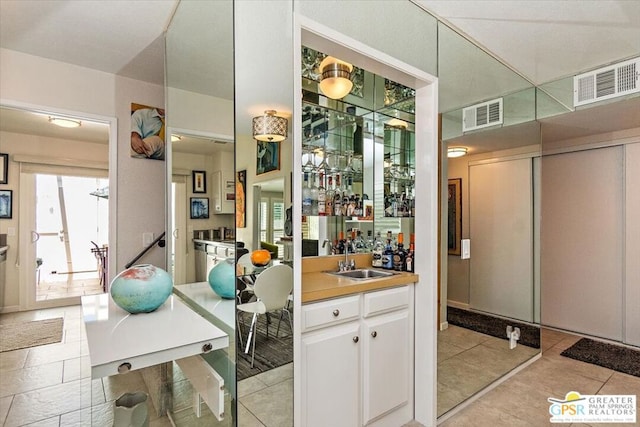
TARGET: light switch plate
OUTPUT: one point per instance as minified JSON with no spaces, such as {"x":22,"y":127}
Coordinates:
{"x":466,"y":249}
{"x":147,"y":238}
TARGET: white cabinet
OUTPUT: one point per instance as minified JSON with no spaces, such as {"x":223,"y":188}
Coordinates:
{"x":224,"y":190}
{"x":357,"y":360}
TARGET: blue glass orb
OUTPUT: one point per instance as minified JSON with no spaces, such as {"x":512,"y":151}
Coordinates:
{"x":141,"y":288}
{"x":222,"y":279}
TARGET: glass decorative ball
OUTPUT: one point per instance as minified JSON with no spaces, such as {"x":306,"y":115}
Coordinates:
{"x":141,"y":288}
{"x":222,"y":279}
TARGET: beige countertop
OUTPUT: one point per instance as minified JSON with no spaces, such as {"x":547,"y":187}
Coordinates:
{"x":318,"y":285}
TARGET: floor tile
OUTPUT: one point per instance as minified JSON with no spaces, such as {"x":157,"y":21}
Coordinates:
{"x":447,"y":350}
{"x":49,"y":422}
{"x":273,"y":406}
{"x":5,"y":403}
{"x":277,"y":375}
{"x":481,"y":415}
{"x":250,"y":385}
{"x":116,"y":385}
{"x":23,"y":380}
{"x":588,"y":370}
{"x":77,"y":368}
{"x":56,"y":352}
{"x":461,"y":337}
{"x":14,"y":359}
{"x":247,"y":419}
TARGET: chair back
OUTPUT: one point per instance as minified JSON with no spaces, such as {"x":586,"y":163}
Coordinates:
{"x":245,"y":261}
{"x":273,"y":286}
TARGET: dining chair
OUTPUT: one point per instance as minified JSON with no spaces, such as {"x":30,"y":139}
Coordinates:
{"x":246,"y":280}
{"x":272,"y":289}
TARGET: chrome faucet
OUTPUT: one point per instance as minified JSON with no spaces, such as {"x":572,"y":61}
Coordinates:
{"x":347,"y":264}
{"x":330,"y":250}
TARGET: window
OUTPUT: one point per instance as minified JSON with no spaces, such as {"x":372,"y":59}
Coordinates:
{"x":272,"y":215}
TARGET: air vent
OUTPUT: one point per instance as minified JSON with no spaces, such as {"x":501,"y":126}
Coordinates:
{"x":607,"y":82}
{"x":482,"y":115}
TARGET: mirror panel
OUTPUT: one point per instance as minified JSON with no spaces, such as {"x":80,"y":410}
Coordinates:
{"x":200,"y":174}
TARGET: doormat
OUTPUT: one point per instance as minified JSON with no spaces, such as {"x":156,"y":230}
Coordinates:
{"x":616,"y":357}
{"x":494,"y":326}
{"x":270,"y":352}
{"x":14,"y":336}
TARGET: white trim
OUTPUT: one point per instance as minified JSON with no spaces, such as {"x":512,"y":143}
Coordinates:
{"x":327,"y":40}
{"x":58,"y":161}
{"x":457,"y":304}
{"x":112,"y":166}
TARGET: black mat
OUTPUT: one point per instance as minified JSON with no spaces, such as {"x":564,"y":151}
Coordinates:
{"x":616,"y":357}
{"x":494,"y":326}
{"x":270,"y":352}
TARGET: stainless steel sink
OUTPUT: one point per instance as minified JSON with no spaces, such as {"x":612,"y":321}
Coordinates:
{"x":362,"y":274}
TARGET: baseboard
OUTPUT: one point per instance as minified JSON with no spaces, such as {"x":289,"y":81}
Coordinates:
{"x":10,"y":309}
{"x":456,"y":304}
{"x":444,"y":325}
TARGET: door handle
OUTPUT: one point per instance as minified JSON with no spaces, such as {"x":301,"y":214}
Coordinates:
{"x":175,"y":233}
{"x":35,"y":236}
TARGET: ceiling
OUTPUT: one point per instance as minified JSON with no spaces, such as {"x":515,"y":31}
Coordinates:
{"x":541,"y":40}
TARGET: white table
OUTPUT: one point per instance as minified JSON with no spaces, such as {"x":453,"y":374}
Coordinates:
{"x":172,"y":332}
{"x":221,"y":312}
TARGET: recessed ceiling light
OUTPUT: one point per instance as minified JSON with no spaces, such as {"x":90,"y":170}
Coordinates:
{"x":65,"y":122}
{"x":456,"y":152}
{"x":175,"y":138}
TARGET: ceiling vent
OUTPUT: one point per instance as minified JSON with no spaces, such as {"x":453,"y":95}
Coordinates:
{"x":607,"y":82}
{"x":482,"y":115}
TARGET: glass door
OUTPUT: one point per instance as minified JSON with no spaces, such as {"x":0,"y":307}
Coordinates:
{"x":70,"y":237}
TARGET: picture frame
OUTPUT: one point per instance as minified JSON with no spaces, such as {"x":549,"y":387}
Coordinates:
{"x":4,"y":168}
{"x":241,"y":199}
{"x":199,"y":207}
{"x":6,"y":204}
{"x":199,"y":179}
{"x":454,"y":228}
{"x":267,"y":157}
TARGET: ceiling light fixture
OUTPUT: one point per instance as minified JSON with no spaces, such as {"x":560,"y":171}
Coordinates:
{"x":397,"y":123}
{"x":269,"y":127}
{"x":64,"y":122}
{"x":335,"y":81}
{"x":175,"y":138}
{"x":454,"y":152}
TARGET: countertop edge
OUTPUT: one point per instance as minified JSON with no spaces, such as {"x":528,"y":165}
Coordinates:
{"x":334,"y":287}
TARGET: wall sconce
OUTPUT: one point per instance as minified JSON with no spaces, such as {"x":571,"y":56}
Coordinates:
{"x":64,"y":122}
{"x":335,"y":81}
{"x":269,"y":128}
{"x":454,"y":152}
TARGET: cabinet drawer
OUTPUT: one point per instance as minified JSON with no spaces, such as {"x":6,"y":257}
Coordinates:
{"x":332,"y":312}
{"x":384,"y":301}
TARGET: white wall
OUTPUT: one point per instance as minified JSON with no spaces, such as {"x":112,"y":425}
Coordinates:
{"x":632,"y":245}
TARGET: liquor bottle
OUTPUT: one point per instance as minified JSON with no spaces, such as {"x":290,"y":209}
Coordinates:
{"x":351,"y":209}
{"x":400,"y":254}
{"x":369,"y":241}
{"x":341,"y":243}
{"x":337,"y":198}
{"x":345,"y":197}
{"x":387,"y":256}
{"x":329,"y":198}
{"x":378,"y":249}
{"x":306,"y":196}
{"x":314,"y":196}
{"x":409,"y":260}
{"x":322,"y":197}
{"x":360,"y":244}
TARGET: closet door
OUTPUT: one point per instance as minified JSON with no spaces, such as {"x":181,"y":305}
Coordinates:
{"x":582,"y":232}
{"x":501,"y":231}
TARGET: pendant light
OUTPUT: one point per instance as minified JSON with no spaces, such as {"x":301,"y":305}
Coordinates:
{"x":269,"y":127}
{"x":335,"y":77}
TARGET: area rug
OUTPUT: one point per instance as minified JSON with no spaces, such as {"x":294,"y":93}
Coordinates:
{"x":616,"y":357}
{"x":14,"y":336}
{"x":494,"y":326}
{"x":270,"y":353}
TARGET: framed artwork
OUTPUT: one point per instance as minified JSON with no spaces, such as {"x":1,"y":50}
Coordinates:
{"x":199,"y":179}
{"x":6,"y":202}
{"x":454,"y":229}
{"x":241,"y":199}
{"x":4,"y":168}
{"x":199,"y":208}
{"x":268,"y":157}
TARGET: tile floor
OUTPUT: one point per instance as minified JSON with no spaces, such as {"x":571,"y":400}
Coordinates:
{"x":47,"y":386}
{"x":48,"y":290}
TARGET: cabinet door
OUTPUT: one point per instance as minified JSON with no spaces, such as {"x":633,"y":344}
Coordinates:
{"x":386,"y":363}
{"x":331,"y":376}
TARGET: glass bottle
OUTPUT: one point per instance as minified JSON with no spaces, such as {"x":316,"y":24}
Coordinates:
{"x":378,"y":249}
{"x":337,"y":198}
{"x":322,"y":197}
{"x":341,"y":243}
{"x":387,"y":256}
{"x":314,"y":196}
{"x":409,"y":260}
{"x":400,"y":254}
{"x":306,"y":196}
{"x":329,"y":197}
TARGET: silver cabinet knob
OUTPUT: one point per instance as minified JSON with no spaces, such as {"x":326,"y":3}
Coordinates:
{"x":336,"y":312}
{"x":374,"y":334}
{"x":356,"y":339}
{"x":206,"y":348}
{"x":124,"y":368}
